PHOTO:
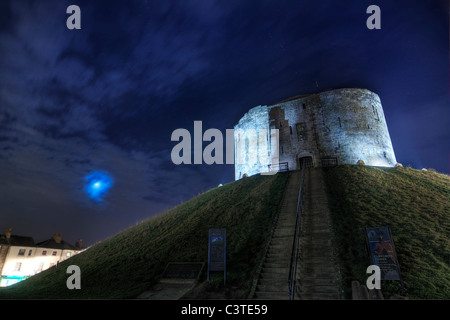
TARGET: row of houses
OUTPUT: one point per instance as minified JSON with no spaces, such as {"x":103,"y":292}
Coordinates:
{"x":21,"y":257}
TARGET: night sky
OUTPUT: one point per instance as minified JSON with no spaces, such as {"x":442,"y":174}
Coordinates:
{"x":108,"y":97}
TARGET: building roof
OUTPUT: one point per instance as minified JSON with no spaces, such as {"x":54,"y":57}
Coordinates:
{"x":17,"y":241}
{"x":51,"y":243}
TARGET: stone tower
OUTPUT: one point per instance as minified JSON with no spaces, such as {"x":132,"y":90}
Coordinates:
{"x":338,"y":126}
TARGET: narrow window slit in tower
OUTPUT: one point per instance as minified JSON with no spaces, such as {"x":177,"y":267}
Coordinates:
{"x":339,"y":118}
{"x":290,"y":129}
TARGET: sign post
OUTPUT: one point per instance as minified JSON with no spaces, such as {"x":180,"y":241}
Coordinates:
{"x":382,"y":252}
{"x":217,"y":252}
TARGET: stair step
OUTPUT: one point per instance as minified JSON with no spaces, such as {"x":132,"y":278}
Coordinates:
{"x":273,"y":281}
{"x":272,"y":287}
{"x":315,"y":252}
{"x":308,"y":269}
{"x":318,"y":296}
{"x":317,"y":274}
{"x":317,"y":289}
{"x":274,"y":276}
{"x":274,"y":295}
{"x":278,"y":265}
{"x":285,"y":259}
{"x":283,"y":233}
{"x":317,"y":281}
{"x":277,"y":254}
{"x":276,"y":270}
{"x":282,"y":240}
{"x":286,"y":252}
{"x":279,"y":249}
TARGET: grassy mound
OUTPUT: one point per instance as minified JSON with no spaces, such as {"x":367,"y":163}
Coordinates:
{"x":128,"y":263}
{"x":415,"y":204}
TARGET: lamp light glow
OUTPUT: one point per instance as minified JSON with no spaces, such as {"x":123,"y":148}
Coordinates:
{"x":98,"y":184}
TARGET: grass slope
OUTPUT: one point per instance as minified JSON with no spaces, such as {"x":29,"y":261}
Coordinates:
{"x":128,"y":263}
{"x":415,"y":204}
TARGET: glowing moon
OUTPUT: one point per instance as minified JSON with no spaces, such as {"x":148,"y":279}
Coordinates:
{"x":98,"y":184}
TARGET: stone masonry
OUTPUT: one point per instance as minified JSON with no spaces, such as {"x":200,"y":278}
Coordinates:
{"x":339,"y":126}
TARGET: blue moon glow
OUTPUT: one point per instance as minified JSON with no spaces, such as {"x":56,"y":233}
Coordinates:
{"x":98,"y":184}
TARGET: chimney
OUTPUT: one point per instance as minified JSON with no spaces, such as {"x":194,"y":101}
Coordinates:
{"x":57,"y":237}
{"x":8,"y":233}
{"x":79,"y":243}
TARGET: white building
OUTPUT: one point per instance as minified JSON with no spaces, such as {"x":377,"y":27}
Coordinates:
{"x":21,"y":257}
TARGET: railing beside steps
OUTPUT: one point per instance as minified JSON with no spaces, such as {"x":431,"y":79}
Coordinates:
{"x":280,"y":167}
{"x":291,"y":282}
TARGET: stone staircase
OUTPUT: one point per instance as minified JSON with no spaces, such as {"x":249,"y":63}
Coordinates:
{"x":318,"y":275}
{"x":272,"y":282}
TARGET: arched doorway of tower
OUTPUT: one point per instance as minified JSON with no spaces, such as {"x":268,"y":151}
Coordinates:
{"x":305,"y":162}
{"x":307,"y":159}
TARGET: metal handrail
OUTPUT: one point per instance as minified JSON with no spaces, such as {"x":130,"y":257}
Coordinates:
{"x":280,"y":167}
{"x":291,"y":283}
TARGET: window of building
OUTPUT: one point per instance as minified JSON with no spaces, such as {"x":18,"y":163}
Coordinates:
{"x":44,"y":252}
{"x":21,"y":252}
{"x":290,"y":129}
{"x":54,"y":253}
{"x":304,"y":106}
{"x":301,"y":133}
{"x":68,"y":254}
{"x":29,"y":252}
{"x":18,"y":266}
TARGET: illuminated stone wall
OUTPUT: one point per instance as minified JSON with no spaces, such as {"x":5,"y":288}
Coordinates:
{"x":339,"y":126}
{"x":248,"y":158}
